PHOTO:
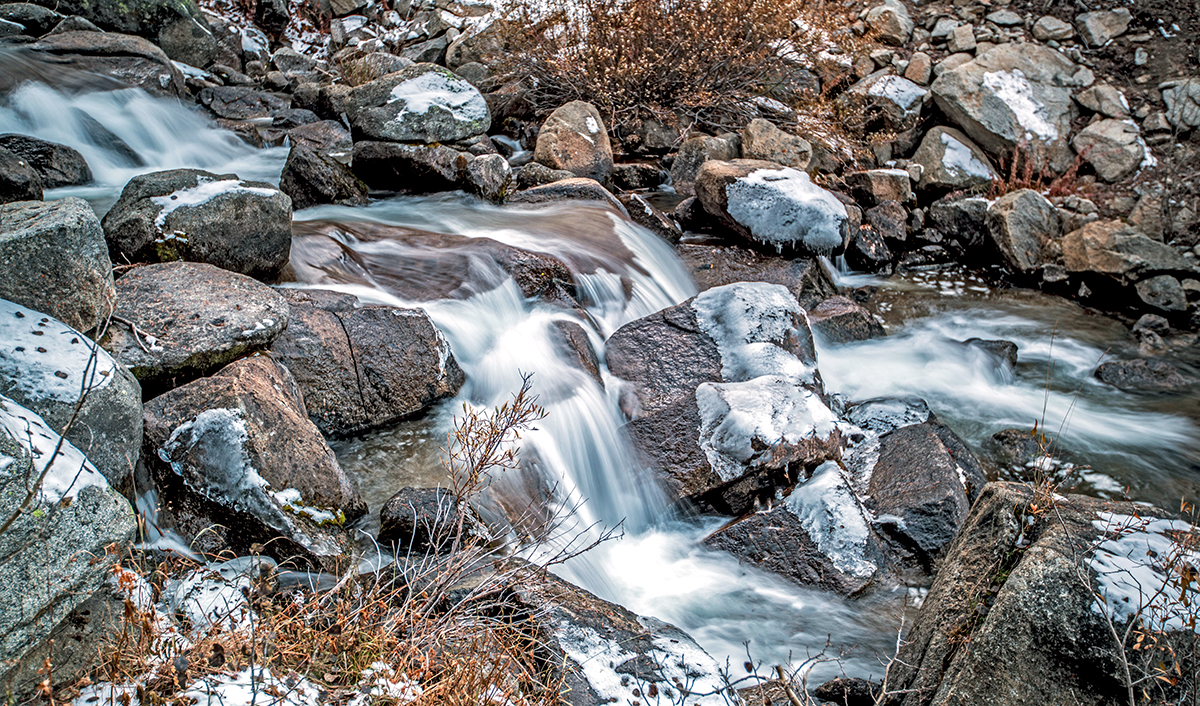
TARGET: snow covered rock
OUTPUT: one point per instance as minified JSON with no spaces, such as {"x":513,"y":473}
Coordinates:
{"x":236,"y":451}
{"x":574,"y":139}
{"x":54,"y":553}
{"x":55,"y":260}
{"x":422,"y":103}
{"x":193,"y":215}
{"x":950,"y":161}
{"x":46,"y":366}
{"x":775,"y":207}
{"x":363,"y":367}
{"x":1015,"y":94}
{"x":886,"y":100}
{"x":191,"y":319}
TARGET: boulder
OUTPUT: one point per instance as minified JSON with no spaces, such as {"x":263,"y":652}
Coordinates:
{"x":312,"y":178}
{"x":188,"y":40}
{"x":875,"y":186}
{"x":638,"y":176}
{"x":47,"y":366}
{"x":1098,"y":28}
{"x":56,"y":261}
{"x":328,"y":137}
{"x":1015,"y":95}
{"x":693,"y":153}
{"x":535,"y":174}
{"x":146,"y":18}
{"x":1105,"y":100}
{"x":888,"y":219}
{"x":488,"y":176}
{"x":778,"y":208}
{"x":36,"y":20}
{"x":950,"y":161}
{"x":1114,"y":148}
{"x":891,"y":22}
{"x":575,"y":347}
{"x":241,"y":102}
{"x":1121,"y":252}
{"x":718,"y":265}
{"x":1183,"y":103}
{"x":419,"y":519}
{"x":1142,"y":375}
{"x":19,"y":181}
{"x":422,"y":103}
{"x":840,"y":319}
{"x":919,"y":69}
{"x":963,"y":220}
{"x":575,"y":189}
{"x":1049,"y":28}
{"x":868,"y":252}
{"x":273,"y":16}
{"x":197,"y":216}
{"x":1162,"y":292}
{"x":1020,"y":224}
{"x":225,"y":482}
{"x":191,"y":319}
{"x":418,"y":169}
{"x":573,"y":139}
{"x":131,"y":60}
{"x":361,"y":367}
{"x":883,"y":99}
{"x":762,"y":140}
{"x":647,"y":216}
{"x":56,"y":165}
{"x":55,"y":552}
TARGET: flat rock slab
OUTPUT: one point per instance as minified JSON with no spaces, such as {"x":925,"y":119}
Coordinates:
{"x":1143,"y":375}
{"x":55,"y":260}
{"x":192,"y":319}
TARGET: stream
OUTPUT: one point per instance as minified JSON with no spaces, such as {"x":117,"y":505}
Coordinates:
{"x":1149,"y":445}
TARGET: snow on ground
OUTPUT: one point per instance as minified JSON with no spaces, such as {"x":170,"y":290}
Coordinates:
{"x":1137,"y":568}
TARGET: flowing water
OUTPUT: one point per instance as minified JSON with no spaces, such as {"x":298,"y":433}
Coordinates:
{"x":658,"y":567}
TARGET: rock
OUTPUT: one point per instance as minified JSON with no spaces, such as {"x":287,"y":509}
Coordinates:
{"x":56,"y":165}
{"x":952,"y":62}
{"x":962,"y":220}
{"x":1017,"y":586}
{"x":1115,"y":249}
{"x":892,"y":102}
{"x":1162,"y":292}
{"x":1098,"y":28}
{"x":197,"y":216}
{"x":718,"y":265}
{"x":224,"y":480}
{"x":192,"y":319}
{"x":884,"y":415}
{"x":488,"y":177}
{"x":576,"y":189}
{"x":919,"y":69}
{"x":474,"y":47}
{"x":326,"y":136}
{"x":312,"y":178}
{"x":46,"y":366}
{"x":414,"y":169}
{"x":19,"y":181}
{"x":575,"y":346}
{"x":1106,"y":100}
{"x":867,"y":251}
{"x":240,"y":103}
{"x":141,"y":17}
{"x":573,"y":139}
{"x":1049,"y":28}
{"x":875,"y":186}
{"x":1142,"y":375}
{"x":842,"y":320}
{"x":58,"y":261}
{"x":950,"y":161}
{"x":419,"y":519}
{"x":693,"y":153}
{"x":604,"y":653}
{"x":273,"y":16}
{"x":534,"y":174}
{"x":647,"y":216}
{"x":633,"y":177}
{"x":888,"y":219}
{"x":1020,"y":224}
{"x":1003,"y":352}
{"x":1183,"y":103}
{"x":131,"y":60}
{"x":1015,"y":94}
{"x":1004,"y":18}
{"x":363,"y":367}
{"x":431,"y":51}
{"x":775,"y":207}
{"x":188,"y":41}
{"x":421,"y":103}
{"x":762,"y":140}
{"x":961,"y":38}
{"x":1114,"y":148}
{"x":1019,"y":450}
{"x":849,"y":691}
{"x":892,"y":22}
{"x":35,"y":19}
{"x":55,"y":552}
{"x":290,"y":61}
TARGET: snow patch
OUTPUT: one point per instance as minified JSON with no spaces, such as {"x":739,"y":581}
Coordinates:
{"x":1136,"y":570}
{"x":783,"y":208}
{"x":830,"y":513}
{"x":291,"y":500}
{"x":1012,"y":88}
{"x":435,"y":89}
{"x":899,"y":90}
{"x":381,"y":681}
{"x":68,"y":473}
{"x":206,"y":190}
{"x":958,"y":159}
{"x":214,"y":597}
{"x":46,"y":359}
{"x":749,"y":321}
{"x":256,"y":686}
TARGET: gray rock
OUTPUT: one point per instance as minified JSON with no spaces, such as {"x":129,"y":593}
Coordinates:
{"x":1049,"y":28}
{"x":1004,"y":18}
{"x":326,"y":136}
{"x":141,"y":17}
{"x":575,"y":189}
{"x":363,"y":367}
{"x":1142,"y":375}
{"x":131,"y":60}
{"x":419,"y":519}
{"x":197,"y":216}
{"x":289,"y":60}
{"x":874,"y":186}
{"x":962,"y":220}
{"x":1183,"y":103}
{"x":1106,"y":100}
{"x":417,"y":169}
{"x":1097,"y":28}
{"x":36,"y":20}
{"x":535,"y":174}
{"x":430,"y":51}
{"x":1114,"y":148}
{"x":574,"y":139}
{"x":1020,"y":224}
{"x":188,"y":41}
{"x":950,"y":161}
{"x":693,"y":153}
{"x":1118,"y":250}
{"x":476,"y":47}
{"x":240,"y":103}
{"x":842,"y":320}
{"x":638,"y":176}
{"x":1162,"y":292}
{"x":919,"y":69}
{"x":58,"y":262}
{"x":199,"y":317}
{"x":273,"y":16}
{"x":891,"y":21}
{"x":647,"y":216}
{"x":867,"y":251}
{"x":762,"y":140}
{"x":19,"y":181}
{"x":489,"y":177}
{"x":312,"y":178}
{"x":56,"y":165}
{"x":719,"y":265}
{"x":421,"y":103}
{"x":47,"y":366}
{"x":889,"y":220}
{"x":895,"y":102}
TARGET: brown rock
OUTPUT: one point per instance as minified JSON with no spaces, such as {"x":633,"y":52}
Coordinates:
{"x":573,"y":138}
{"x":842,"y":320}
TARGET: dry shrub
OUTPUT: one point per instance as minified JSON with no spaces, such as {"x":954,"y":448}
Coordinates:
{"x":715,"y":63}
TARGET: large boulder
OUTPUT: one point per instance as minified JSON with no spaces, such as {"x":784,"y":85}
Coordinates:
{"x":950,"y":161}
{"x":1098,"y":28}
{"x":56,"y":165}
{"x":573,"y":139}
{"x":414,"y":169}
{"x":891,"y":22}
{"x":421,"y":103}
{"x":146,"y":18}
{"x":226,"y":481}
{"x":191,"y":319}
{"x":312,"y":178}
{"x":131,"y":60}
{"x":1015,"y":95}
{"x":47,"y":367}
{"x":1142,"y":375}
{"x":19,"y":181}
{"x":55,"y":260}
{"x":1021,"y":224}
{"x":718,"y":265}
{"x":1114,"y":148}
{"x":775,"y":207}
{"x":36,"y":20}
{"x":1121,"y":252}
{"x":886,"y":101}
{"x":197,"y":216}
{"x":361,"y":367}
{"x":54,"y":554}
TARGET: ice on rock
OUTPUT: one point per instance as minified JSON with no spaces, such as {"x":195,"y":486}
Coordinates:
{"x":68,"y":473}
{"x":437,"y":89}
{"x":766,"y":411}
{"x":46,"y":359}
{"x":783,"y":208}
{"x":748,"y":321}
{"x":1014,"y":91}
{"x":831,"y":514}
